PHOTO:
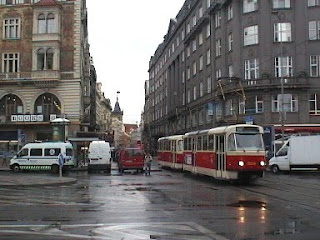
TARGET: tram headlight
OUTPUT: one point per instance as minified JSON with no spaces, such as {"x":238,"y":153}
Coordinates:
{"x":241,"y":163}
{"x":262,"y":163}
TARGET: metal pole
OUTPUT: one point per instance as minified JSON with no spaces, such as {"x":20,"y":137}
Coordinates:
{"x":282,"y":82}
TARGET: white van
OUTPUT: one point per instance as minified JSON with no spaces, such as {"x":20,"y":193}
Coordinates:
{"x":42,"y":156}
{"x":99,"y":156}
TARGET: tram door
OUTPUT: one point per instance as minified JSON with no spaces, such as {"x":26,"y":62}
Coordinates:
{"x":220,"y":155}
{"x":173,"y":153}
{"x":194,"y":151}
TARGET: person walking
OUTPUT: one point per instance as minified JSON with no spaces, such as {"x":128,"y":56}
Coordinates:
{"x":5,"y":158}
{"x":147,"y":163}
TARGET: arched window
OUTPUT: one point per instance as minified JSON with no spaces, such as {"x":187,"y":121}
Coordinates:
{"x":49,"y":62}
{"x":41,"y":23}
{"x":47,"y":104}
{"x":41,"y":59}
{"x":10,"y":104}
{"x":46,"y":23}
{"x":45,"y":59}
{"x":50,"y":23}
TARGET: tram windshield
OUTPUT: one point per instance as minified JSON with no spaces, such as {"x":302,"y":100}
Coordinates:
{"x":249,"y":142}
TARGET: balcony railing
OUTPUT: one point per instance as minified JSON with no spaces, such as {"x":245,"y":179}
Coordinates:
{"x":48,"y":78}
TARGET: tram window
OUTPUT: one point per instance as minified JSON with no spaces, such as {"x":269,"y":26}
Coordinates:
{"x":231,"y":143}
{"x":205,"y":143}
{"x":199,"y":143}
{"x":180,"y":146}
{"x":189,"y":144}
{"x":211,"y":142}
{"x":185,"y":143}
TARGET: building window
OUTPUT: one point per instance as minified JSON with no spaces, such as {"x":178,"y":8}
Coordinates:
{"x":188,"y":73}
{"x":282,"y":32}
{"x":194,"y":68}
{"x":218,"y":47}
{"x":182,"y":56}
{"x":183,"y":76}
{"x":188,"y":27}
{"x":201,"y":89}
{"x":251,"y":69}
{"x":315,"y":66}
{"x":11,"y":28}
{"x":230,"y":71}
{"x":209,"y":84}
{"x":218,"y":19}
{"x":201,"y":63}
{"x":250,"y":6}
{"x":259,"y":104}
{"x":47,"y":104}
{"x":46,"y":23}
{"x":218,"y":74}
{"x":290,"y":103}
{"x":10,"y":62}
{"x":200,"y":39}
{"x":182,"y":35}
{"x":281,"y":4}
{"x":208,"y":56}
{"x":208,"y":3}
{"x":189,"y":96}
{"x":242,"y":106}
{"x":312,"y":3}
{"x":200,"y":12}
{"x":183,"y":98}
{"x":314,"y":30}
{"x":194,"y":20}
{"x":230,"y":12}
{"x":251,"y":35}
{"x":208,"y":32}
{"x":10,"y":104}
{"x":283,"y":67}
{"x":188,"y":51}
{"x":230,"y":42}
{"x":194,"y":92}
{"x":45,"y":59}
{"x":194,"y":45}
{"x":314,"y":104}
{"x":229,"y":109}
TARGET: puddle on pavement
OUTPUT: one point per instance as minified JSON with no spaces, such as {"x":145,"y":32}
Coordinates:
{"x":248,"y":204}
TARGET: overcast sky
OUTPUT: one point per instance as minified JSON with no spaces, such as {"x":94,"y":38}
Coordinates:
{"x":123,"y":35}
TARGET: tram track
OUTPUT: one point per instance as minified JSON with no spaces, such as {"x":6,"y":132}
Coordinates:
{"x":303,"y":198}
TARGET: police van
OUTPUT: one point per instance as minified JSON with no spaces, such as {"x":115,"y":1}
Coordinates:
{"x":43,"y":156}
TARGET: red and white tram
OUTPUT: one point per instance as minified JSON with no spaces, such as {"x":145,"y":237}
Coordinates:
{"x":230,"y":152}
{"x":170,"y":151}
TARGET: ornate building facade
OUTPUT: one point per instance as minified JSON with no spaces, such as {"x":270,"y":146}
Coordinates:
{"x":44,"y":70}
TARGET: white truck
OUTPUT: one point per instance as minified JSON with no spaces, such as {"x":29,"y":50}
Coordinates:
{"x":297,"y":153}
{"x":99,"y":156}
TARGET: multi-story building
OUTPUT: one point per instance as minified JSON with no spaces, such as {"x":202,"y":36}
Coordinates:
{"x":235,"y":61}
{"x":45,"y":68}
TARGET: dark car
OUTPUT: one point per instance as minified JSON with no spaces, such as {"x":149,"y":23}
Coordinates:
{"x":131,"y":158}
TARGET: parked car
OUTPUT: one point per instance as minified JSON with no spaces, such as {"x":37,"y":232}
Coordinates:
{"x":131,"y":158}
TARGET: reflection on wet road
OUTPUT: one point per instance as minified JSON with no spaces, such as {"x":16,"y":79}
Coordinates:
{"x":167,"y":205}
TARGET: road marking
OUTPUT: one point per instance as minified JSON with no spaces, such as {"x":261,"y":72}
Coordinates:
{"x":157,"y":230}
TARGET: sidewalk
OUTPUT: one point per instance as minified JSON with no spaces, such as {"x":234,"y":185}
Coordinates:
{"x":9,"y":178}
